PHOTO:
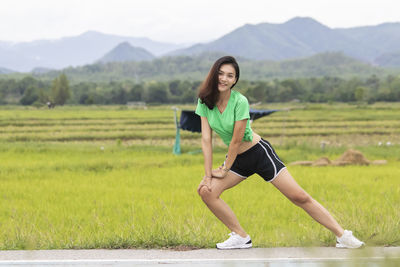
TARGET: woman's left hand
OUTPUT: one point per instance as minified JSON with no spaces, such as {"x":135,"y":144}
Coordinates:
{"x":219,"y":173}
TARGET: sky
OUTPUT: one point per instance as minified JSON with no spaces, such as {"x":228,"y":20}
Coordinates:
{"x":177,"y":21}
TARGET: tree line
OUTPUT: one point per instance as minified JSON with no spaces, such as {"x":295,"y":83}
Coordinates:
{"x":31,"y":91}
{"x":331,"y":64}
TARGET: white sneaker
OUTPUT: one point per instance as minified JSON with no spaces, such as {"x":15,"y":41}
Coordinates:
{"x":235,"y":241}
{"x":347,"y":240}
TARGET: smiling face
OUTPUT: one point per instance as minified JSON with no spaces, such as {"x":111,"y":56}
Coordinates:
{"x":226,"y":77}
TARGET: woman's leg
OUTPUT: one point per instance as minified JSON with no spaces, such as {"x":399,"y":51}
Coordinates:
{"x":288,"y":186}
{"x":220,"y":209}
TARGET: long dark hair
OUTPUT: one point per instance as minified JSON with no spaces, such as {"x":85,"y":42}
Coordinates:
{"x":208,"y":90}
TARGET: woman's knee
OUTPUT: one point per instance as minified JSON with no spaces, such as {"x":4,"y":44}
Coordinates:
{"x":206,"y":194}
{"x":300,"y":198}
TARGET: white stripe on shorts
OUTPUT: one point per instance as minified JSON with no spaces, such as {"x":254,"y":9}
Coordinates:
{"x":241,"y":176}
{"x":273,"y":163}
{"x":277,"y":174}
{"x":271,"y":151}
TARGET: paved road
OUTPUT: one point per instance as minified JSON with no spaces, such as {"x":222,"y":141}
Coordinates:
{"x":307,"y":257}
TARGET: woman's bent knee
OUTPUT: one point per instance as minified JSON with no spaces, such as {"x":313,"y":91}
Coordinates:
{"x":206,"y":194}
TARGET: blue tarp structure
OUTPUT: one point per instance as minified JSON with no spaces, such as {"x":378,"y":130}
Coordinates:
{"x":190,"y":121}
{"x":256,"y":114}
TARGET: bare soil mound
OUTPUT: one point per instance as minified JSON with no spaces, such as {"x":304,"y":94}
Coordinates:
{"x":324,"y":161}
{"x":350,"y":157}
{"x":301,"y":163}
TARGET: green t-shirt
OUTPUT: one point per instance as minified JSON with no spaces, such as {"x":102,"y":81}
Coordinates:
{"x":223,"y":123}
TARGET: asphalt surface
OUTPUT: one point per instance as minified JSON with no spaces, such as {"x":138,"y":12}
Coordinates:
{"x":307,"y":257}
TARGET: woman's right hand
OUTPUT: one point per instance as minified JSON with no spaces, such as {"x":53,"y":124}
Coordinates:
{"x":205,"y":182}
{"x":216,"y":173}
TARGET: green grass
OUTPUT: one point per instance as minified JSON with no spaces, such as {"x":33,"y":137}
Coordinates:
{"x":79,"y":196}
{"x":59,"y":189}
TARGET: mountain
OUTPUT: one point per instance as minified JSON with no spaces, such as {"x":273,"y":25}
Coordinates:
{"x":298,"y":37}
{"x":384,"y":37}
{"x":40,"y":70}
{"x":71,"y":51}
{"x":6,"y":71}
{"x":125,"y":52}
{"x":389,"y":59}
{"x":301,"y":37}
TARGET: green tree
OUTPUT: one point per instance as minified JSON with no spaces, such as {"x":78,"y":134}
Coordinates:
{"x":60,"y":90}
{"x":29,"y":97}
{"x":135,"y":93}
{"x":257,"y":93}
{"x":359,"y":93}
{"x":175,"y":88}
{"x":42,"y":96}
{"x":25,"y":83}
{"x":189,"y":96}
{"x":156,"y":93}
{"x":118,"y":96}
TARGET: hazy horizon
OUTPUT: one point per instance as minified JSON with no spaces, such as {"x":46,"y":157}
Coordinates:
{"x":177,"y":21}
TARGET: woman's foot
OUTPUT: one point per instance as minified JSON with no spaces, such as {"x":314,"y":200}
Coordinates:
{"x":348,"y":240}
{"x":235,"y":241}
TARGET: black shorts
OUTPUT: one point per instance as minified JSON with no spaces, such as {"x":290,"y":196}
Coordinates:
{"x":261,"y":159}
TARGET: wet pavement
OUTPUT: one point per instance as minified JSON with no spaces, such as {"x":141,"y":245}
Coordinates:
{"x":255,"y":257}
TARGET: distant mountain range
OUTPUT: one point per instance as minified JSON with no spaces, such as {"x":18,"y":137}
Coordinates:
{"x":125,"y":52}
{"x":297,"y":38}
{"x":302,"y":37}
{"x":71,"y":51}
{"x":5,"y":71}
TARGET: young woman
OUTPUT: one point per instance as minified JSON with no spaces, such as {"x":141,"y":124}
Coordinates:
{"x":226,"y":112}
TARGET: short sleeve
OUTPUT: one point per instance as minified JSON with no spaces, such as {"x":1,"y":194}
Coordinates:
{"x":201,"y":109}
{"x":242,"y":110}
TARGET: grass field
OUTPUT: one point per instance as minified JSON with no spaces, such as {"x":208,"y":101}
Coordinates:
{"x":105,"y":177}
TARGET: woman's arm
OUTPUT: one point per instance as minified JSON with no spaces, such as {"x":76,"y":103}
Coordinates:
{"x":206,"y":145}
{"x":238,"y":133}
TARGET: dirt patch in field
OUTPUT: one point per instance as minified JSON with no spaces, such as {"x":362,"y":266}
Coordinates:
{"x":324,"y":161}
{"x":350,"y":157}
{"x":301,"y":163}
